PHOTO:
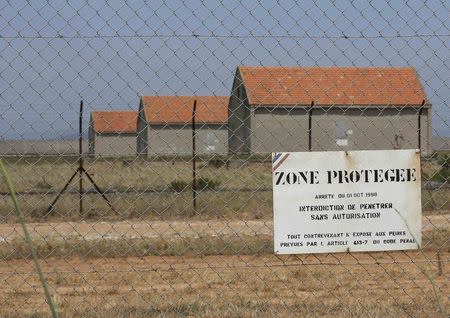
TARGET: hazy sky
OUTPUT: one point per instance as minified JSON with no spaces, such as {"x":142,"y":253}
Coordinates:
{"x":53,"y":53}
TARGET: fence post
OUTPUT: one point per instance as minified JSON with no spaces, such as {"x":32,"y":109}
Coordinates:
{"x":80,"y":158}
{"x":310,"y":126}
{"x":194,"y":172}
{"x":419,"y":126}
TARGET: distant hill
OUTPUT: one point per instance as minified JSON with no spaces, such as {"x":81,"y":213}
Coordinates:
{"x":40,"y":147}
{"x":440,"y":143}
{"x":70,"y":147}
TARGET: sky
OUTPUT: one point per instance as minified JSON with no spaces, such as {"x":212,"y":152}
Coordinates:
{"x":108,"y":53}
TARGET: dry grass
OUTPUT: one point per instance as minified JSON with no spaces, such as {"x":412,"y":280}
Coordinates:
{"x":71,"y":246}
{"x":147,"y":206}
{"x":229,"y":286}
{"x":138,"y":174}
{"x":229,"y":201}
{"x":203,"y":276}
{"x":168,"y":205}
{"x":170,"y":240}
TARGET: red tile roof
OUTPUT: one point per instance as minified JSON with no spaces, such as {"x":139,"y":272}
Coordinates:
{"x":178,"y":109}
{"x":332,"y":85}
{"x":114,"y":121}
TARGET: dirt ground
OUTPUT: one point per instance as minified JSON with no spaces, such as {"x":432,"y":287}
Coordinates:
{"x":249,"y":282}
{"x":397,"y":284}
{"x":163,"y":229}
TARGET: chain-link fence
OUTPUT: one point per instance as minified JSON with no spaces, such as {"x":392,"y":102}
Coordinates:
{"x":162,"y":208}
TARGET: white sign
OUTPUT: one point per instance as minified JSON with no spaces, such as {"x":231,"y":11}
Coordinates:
{"x":346,"y":201}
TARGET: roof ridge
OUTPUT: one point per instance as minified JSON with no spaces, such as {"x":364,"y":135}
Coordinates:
{"x":187,"y":96}
{"x":325,"y":67}
{"x":114,"y":111}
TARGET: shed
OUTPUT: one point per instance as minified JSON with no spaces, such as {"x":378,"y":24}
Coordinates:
{"x":353,"y":109}
{"x":113,"y":133}
{"x":165,"y":125}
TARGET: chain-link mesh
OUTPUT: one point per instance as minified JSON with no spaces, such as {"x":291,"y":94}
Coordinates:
{"x":163,"y":217}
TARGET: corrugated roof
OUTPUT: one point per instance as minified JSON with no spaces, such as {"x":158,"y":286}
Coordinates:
{"x":178,"y":109}
{"x":332,"y":85}
{"x":114,"y":121}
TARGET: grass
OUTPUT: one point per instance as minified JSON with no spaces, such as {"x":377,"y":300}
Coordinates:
{"x":167,"y":205}
{"x":138,"y":174}
{"x":30,"y":246}
{"x":241,"y":307}
{"x":228,"y":287}
{"x":201,"y":245}
{"x":202,"y":276}
{"x":242,"y":190}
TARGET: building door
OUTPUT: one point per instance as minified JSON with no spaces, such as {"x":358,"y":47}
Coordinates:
{"x":343,"y":134}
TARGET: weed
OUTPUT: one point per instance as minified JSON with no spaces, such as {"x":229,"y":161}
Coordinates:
{"x":43,"y":185}
{"x":178,"y":185}
{"x":216,"y":163}
{"x":207,"y":184}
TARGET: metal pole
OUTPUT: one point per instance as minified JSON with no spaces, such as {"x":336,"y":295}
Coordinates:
{"x":102,"y":193}
{"x":194,"y":181}
{"x":80,"y":158}
{"x":80,"y":170}
{"x":50,"y":208}
{"x":310,"y":126}
{"x":419,"y":126}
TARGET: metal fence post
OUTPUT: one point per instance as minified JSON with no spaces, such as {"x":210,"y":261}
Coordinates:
{"x":310,"y":126}
{"x":80,"y":158}
{"x":419,"y":126}
{"x":194,"y":167}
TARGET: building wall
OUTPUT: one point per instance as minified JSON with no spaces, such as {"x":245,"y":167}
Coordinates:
{"x":239,"y":118}
{"x":91,"y":136}
{"x":177,"y":140}
{"x":279,"y":129}
{"x":142,"y":132}
{"x":115,"y":145}
{"x":367,"y":129}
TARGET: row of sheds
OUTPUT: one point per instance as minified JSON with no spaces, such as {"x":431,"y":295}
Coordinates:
{"x":277,"y":109}
{"x":162,"y":126}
